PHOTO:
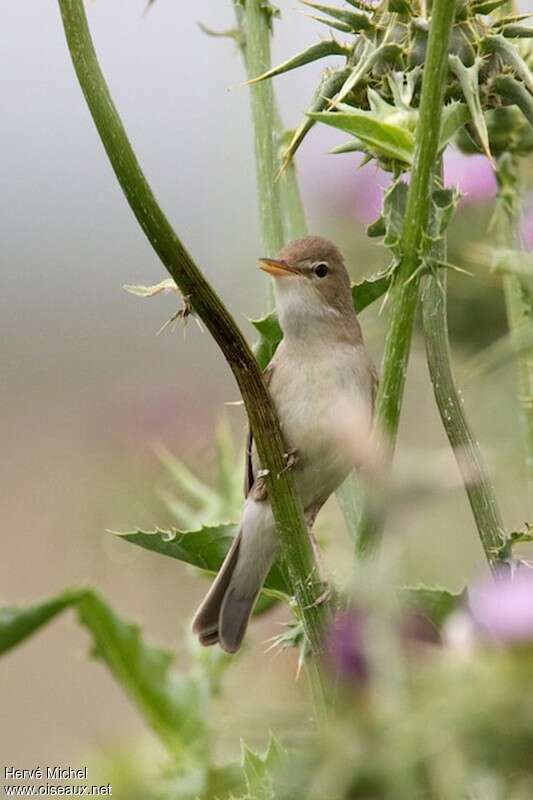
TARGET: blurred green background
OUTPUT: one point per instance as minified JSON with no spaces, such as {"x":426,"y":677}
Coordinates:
{"x":89,"y":390}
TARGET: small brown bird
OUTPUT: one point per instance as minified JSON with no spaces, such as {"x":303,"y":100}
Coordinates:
{"x":323,"y":385}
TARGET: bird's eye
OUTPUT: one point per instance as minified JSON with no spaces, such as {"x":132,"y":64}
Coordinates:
{"x":321,"y":270}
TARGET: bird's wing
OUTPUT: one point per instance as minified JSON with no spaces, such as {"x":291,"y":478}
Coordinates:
{"x":250,"y":481}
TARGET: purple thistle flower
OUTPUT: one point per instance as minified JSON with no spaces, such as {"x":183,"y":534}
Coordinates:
{"x":472,"y":175}
{"x":502,"y":609}
{"x":346,"y":651}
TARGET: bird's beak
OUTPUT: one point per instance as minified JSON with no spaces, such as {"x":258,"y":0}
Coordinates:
{"x":278,"y":269}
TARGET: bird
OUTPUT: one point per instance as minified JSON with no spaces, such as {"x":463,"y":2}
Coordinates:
{"x":323,"y":384}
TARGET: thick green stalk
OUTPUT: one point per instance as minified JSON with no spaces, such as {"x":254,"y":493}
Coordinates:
{"x":281,"y":213}
{"x":255,"y":20}
{"x":404,"y":295}
{"x":466,"y":450}
{"x":518,"y":299}
{"x":297,"y":551}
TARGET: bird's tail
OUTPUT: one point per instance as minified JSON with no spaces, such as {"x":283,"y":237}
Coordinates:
{"x":224,"y":614}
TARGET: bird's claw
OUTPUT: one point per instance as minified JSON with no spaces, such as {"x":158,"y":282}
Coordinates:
{"x":291,"y":460}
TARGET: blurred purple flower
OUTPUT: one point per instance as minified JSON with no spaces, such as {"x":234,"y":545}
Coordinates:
{"x":338,"y":182}
{"x":502,"y":609}
{"x":472,"y":175}
{"x":346,"y":651}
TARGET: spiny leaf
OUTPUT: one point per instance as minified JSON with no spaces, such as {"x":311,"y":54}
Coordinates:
{"x":313,"y":53}
{"x":364,"y":292}
{"x":383,"y":138}
{"x":444,"y":202}
{"x":173,"y":706}
{"x":351,"y":146}
{"x":518,"y":32}
{"x":389,"y":224}
{"x":205,"y":548}
{"x":487,"y":6}
{"x":360,"y":4}
{"x":521,"y":537}
{"x":454,"y":116}
{"x":469,"y":80}
{"x":17,"y":624}
{"x":270,"y":335}
{"x":328,"y":87}
{"x":260,"y":771}
{"x":511,"y":56}
{"x":355,"y":21}
{"x":434,"y":602}
{"x":331,"y":23}
{"x":515,"y":92}
{"x":370,"y":55}
{"x":230,"y":33}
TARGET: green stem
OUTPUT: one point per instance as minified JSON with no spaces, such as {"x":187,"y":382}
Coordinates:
{"x":255,"y":20}
{"x":281,"y":212}
{"x":296,"y":547}
{"x":466,"y":450}
{"x":404,"y":295}
{"x":518,"y":300}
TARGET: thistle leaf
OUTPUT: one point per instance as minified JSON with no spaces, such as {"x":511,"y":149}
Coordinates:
{"x":469,"y":80}
{"x":355,"y":21}
{"x":518,"y":32}
{"x":270,"y":335}
{"x":487,"y":6}
{"x":172,"y":705}
{"x":520,"y":537}
{"x":370,"y":55}
{"x":230,"y":33}
{"x":364,"y":292}
{"x":335,"y":24}
{"x":454,"y":116}
{"x":261,"y":771}
{"x":389,"y":225}
{"x":382,"y":138}
{"x":351,"y":146}
{"x":328,"y":87}
{"x":434,"y":602}
{"x":17,"y":624}
{"x":514,"y":92}
{"x":313,"y":53}
{"x":205,"y":548}
{"x":510,"y":55}
{"x":360,"y":4}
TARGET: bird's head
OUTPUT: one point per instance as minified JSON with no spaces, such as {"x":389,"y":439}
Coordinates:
{"x":312,"y":286}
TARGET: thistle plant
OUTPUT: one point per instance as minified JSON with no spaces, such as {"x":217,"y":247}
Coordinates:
{"x":377,"y":98}
{"x":415,"y":78}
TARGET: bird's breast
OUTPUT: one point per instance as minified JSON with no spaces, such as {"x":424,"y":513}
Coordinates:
{"x":323,"y":399}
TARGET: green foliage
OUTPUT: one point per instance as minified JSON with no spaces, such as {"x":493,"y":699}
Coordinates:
{"x":205,"y":548}
{"x":173,"y":706}
{"x":192,"y":501}
{"x":381,"y":139}
{"x":433,"y":602}
{"x":261,"y":771}
{"x":17,"y":624}
{"x":315,"y":52}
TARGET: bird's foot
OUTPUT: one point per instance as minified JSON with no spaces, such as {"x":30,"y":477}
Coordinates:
{"x":291,"y":460}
